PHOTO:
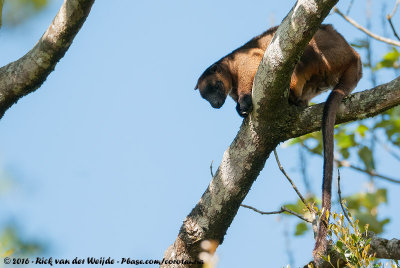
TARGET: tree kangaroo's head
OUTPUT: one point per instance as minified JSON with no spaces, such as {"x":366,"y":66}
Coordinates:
{"x":214,"y":84}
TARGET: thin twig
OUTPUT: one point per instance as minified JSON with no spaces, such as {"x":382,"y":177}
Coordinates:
{"x":211,"y":169}
{"x":291,"y":182}
{"x":262,"y":212}
{"x":361,"y":28}
{"x":389,"y":150}
{"x":393,"y":29}
{"x":372,"y":73}
{"x":340,"y":199}
{"x":389,"y":18}
{"x":295,"y":214}
{"x":283,"y":209}
{"x":345,"y":163}
{"x":394,"y":9}
{"x":349,"y":8}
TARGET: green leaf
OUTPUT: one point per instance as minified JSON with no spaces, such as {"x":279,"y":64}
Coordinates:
{"x":345,"y":153}
{"x":293,"y":141}
{"x":390,"y":60}
{"x":340,"y":246}
{"x":381,"y":195}
{"x":298,"y":207}
{"x":392,"y":55}
{"x":364,"y":207}
{"x":361,"y":129}
{"x":345,"y":140}
{"x":301,"y":228}
{"x":375,"y":225}
{"x":382,"y":124}
{"x":367,"y":158}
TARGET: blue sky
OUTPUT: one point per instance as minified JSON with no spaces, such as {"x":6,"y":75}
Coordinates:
{"x":113,"y":151}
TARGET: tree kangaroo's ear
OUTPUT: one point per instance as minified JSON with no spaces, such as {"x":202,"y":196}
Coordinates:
{"x":214,"y":68}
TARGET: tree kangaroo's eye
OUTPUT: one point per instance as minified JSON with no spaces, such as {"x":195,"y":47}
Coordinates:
{"x":219,"y":84}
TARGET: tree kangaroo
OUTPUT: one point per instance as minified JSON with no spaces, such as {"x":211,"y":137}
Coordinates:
{"x":328,"y":61}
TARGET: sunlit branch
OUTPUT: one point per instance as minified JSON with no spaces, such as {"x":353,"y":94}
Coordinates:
{"x":366,"y":31}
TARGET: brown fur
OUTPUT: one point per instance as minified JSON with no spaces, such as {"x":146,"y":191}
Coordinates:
{"x":328,"y":61}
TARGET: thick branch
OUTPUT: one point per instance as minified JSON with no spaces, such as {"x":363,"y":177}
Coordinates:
{"x":284,"y":51}
{"x":385,"y":249}
{"x":357,"y":106}
{"x":25,"y":75}
{"x":381,"y":247}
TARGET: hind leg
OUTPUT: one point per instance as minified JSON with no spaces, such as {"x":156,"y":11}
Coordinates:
{"x":297,"y":83}
{"x":349,"y":79}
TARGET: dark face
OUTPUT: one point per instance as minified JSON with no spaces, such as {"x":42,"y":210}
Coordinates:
{"x":213,"y":85}
{"x":214,"y":93}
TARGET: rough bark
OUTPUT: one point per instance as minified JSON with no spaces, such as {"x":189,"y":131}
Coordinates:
{"x":271,"y":122}
{"x":357,"y":106}
{"x":25,"y":75}
{"x":385,"y":249}
{"x":381,"y":247}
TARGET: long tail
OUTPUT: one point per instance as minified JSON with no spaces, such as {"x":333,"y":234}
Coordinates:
{"x":347,"y":83}
{"x":328,"y":123}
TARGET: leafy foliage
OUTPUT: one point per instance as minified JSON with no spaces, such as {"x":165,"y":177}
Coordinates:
{"x":390,"y":60}
{"x":364,"y":207}
{"x":298,"y":207}
{"x":351,"y":243}
{"x":17,"y":11}
{"x":11,"y":244}
{"x":353,"y":246}
{"x":389,"y":122}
